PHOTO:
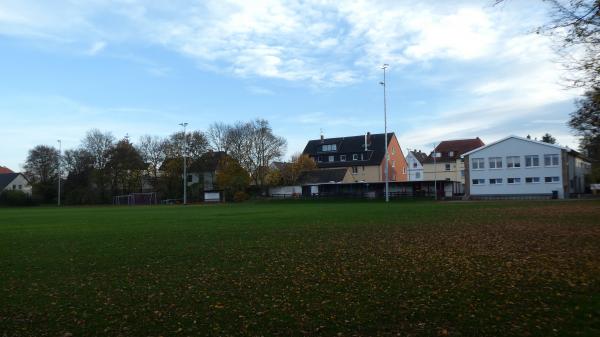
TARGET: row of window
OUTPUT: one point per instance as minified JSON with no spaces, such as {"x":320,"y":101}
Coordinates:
{"x":343,"y":157}
{"x":515,"y":180}
{"x":515,"y":161}
{"x":329,"y":147}
{"x":14,"y":187}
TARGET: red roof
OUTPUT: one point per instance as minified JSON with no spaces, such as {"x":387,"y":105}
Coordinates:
{"x":451,"y":150}
{"x":5,"y":170}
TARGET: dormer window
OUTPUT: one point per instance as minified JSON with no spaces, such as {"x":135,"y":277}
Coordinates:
{"x":355,"y":156}
{"x":451,"y":154}
{"x":329,"y":147}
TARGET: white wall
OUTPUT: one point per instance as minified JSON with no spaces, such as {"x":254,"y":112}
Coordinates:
{"x":285,"y":190}
{"x":521,"y":148}
{"x":19,"y":184}
{"x":412,"y":170}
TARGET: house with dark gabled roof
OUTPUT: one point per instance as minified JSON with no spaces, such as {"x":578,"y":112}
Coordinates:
{"x":14,"y":182}
{"x":414,"y":160}
{"x":445,"y":162}
{"x":363,"y":157}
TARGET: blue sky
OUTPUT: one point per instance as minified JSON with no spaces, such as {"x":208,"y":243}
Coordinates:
{"x":137,"y":67}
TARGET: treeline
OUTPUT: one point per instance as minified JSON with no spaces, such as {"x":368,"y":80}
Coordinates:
{"x":103,"y":166}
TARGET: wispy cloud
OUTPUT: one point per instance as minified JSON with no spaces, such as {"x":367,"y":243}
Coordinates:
{"x":260,"y":90}
{"x":96,"y":48}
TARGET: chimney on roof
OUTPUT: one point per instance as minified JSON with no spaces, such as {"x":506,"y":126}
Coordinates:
{"x":369,"y":138}
{"x":322,"y":137}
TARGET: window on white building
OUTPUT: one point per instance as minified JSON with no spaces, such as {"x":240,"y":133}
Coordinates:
{"x":532,"y":161}
{"x":513,"y":161}
{"x":447,"y":167}
{"x":495,"y":162}
{"x":415,"y":165}
{"x":513,"y":180}
{"x":478,"y":164}
{"x":478,"y":181}
{"x":551,"y":179}
{"x":532,"y":180}
{"x":418,"y":175}
{"x":550,"y":160}
{"x":495,"y":181}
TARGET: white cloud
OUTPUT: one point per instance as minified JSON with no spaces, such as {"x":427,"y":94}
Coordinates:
{"x":320,"y":42}
{"x":96,"y":48}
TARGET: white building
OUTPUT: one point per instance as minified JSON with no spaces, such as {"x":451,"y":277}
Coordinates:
{"x":414,"y":161}
{"x":14,"y":182}
{"x":516,"y":166}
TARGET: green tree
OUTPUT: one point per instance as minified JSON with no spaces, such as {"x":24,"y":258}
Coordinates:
{"x":78,"y":186}
{"x":126,"y":168}
{"x":41,"y":168}
{"x":548,"y":138}
{"x":232,"y":177}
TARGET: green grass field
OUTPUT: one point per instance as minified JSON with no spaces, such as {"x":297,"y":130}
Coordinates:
{"x":303,"y":268}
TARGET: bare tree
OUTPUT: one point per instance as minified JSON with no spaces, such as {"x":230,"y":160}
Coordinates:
{"x":217,"y":136}
{"x":152,"y":150}
{"x":98,"y":144}
{"x":265,"y":148}
{"x":575,"y":26}
{"x":239,"y":139}
{"x":196,"y":144}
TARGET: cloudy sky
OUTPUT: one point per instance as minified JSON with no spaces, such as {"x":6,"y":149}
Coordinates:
{"x":137,"y":67}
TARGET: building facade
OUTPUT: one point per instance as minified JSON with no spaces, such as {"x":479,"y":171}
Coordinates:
{"x":414,"y":160}
{"x":362,"y":156}
{"x":516,"y":166}
{"x":14,"y":182}
{"x":445,"y":162}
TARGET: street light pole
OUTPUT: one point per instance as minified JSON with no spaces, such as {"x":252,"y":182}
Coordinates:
{"x":184,"y":164}
{"x":58,"y":165}
{"x":435,"y":172}
{"x":387,"y":157}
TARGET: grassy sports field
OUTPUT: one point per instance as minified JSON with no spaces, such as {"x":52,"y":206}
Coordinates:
{"x":303,"y":268}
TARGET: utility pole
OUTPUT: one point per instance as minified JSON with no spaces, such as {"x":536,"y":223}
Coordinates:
{"x":58,"y":166}
{"x":184,"y":163}
{"x":387,"y":157}
{"x":435,"y":172}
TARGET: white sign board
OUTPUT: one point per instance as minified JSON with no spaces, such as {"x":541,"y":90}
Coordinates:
{"x":212,"y":196}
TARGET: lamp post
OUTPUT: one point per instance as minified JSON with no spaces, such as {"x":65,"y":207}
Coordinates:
{"x":435,"y":172}
{"x":387,"y":157}
{"x":58,"y":167}
{"x":184,"y":163}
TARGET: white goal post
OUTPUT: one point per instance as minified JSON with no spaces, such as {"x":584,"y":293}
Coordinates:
{"x":132,"y":199}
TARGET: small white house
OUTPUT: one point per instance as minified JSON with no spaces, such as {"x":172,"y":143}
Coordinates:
{"x":516,"y":167}
{"x":14,"y":182}
{"x":414,"y":161}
